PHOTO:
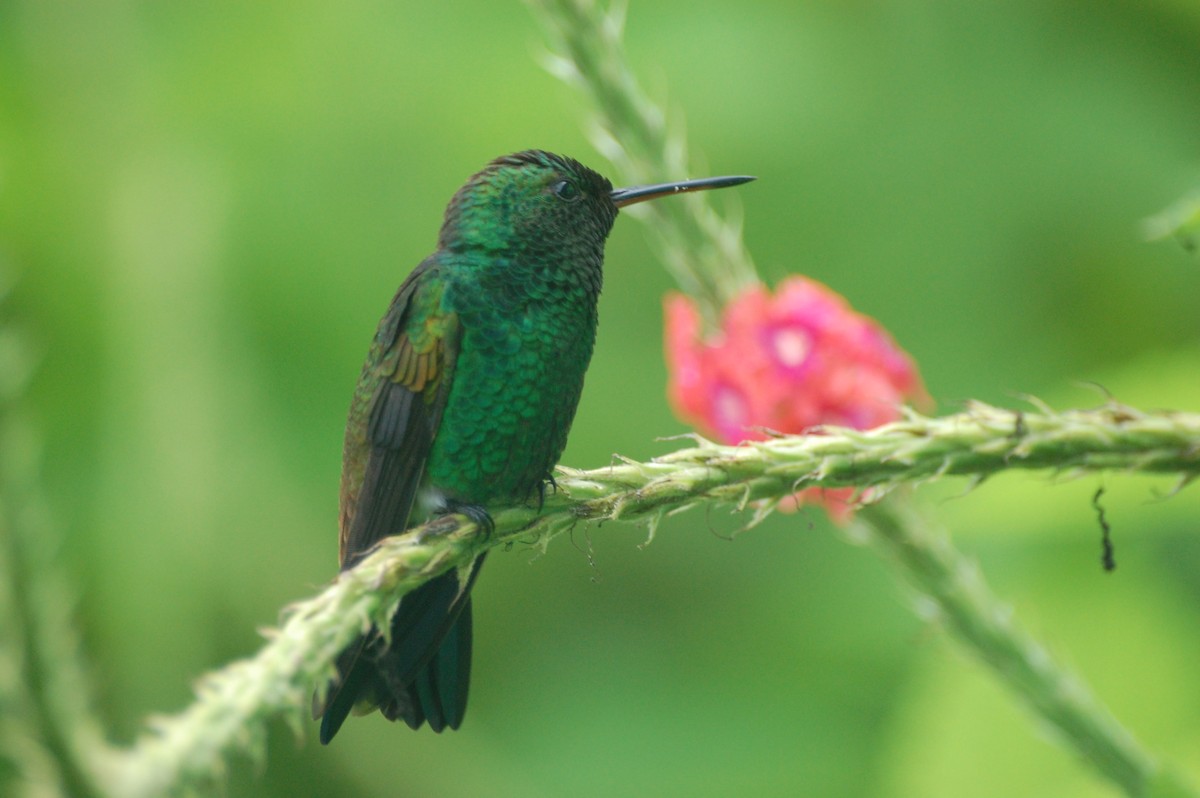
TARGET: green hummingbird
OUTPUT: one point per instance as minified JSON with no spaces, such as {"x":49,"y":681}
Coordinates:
{"x":465,"y":401}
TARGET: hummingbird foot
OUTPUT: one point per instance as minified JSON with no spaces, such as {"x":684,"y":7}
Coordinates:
{"x":476,"y":512}
{"x":541,"y":489}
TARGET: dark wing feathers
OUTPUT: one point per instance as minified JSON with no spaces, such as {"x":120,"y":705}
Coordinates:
{"x":405,"y":381}
{"x":422,"y":675}
{"x":400,"y":432}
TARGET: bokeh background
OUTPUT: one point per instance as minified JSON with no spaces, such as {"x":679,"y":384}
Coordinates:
{"x":210,"y":205}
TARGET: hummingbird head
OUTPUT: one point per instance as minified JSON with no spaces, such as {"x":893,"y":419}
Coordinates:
{"x":536,"y":201}
{"x":531,"y":202}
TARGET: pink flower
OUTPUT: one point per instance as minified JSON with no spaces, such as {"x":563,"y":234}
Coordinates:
{"x":786,"y":362}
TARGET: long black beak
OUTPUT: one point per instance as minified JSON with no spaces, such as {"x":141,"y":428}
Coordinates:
{"x":627,"y":196}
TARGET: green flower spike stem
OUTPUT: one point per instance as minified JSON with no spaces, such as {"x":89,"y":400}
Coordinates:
{"x":234,"y":704}
{"x":985,"y":626}
{"x":701,"y":250}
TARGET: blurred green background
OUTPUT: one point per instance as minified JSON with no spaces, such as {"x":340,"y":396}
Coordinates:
{"x":210,"y":205}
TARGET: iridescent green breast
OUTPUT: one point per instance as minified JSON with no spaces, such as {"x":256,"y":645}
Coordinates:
{"x":517,"y":381}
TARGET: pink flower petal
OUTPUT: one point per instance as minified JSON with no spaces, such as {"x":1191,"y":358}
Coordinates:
{"x":787,"y":361}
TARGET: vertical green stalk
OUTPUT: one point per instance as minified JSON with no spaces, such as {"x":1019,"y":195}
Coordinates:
{"x":984,"y":626}
{"x":47,"y":732}
{"x":702,"y":251}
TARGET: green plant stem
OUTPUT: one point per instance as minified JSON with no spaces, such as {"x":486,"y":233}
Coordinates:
{"x":48,"y":731}
{"x":985,"y":627}
{"x":233,"y":704}
{"x":704,"y":252}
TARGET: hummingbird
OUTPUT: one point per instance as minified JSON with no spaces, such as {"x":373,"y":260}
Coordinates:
{"x":465,"y":401}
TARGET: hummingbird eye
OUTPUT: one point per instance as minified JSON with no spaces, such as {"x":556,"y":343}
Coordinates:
{"x":566,"y":191}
